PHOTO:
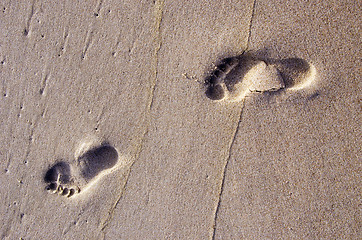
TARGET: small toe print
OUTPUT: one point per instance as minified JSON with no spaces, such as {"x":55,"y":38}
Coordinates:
{"x":65,"y":192}
{"x":59,"y":189}
{"x":71,"y":192}
{"x":52,"y":187}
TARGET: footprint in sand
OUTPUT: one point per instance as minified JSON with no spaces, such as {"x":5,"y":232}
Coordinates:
{"x":233,"y":78}
{"x":70,"y":178}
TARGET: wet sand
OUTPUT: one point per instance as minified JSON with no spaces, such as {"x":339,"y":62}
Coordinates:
{"x":109,"y":133}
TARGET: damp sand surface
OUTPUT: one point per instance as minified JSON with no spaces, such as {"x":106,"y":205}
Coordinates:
{"x":161,"y":120}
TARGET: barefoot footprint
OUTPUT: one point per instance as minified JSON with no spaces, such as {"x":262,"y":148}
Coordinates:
{"x":67,"y":179}
{"x":233,"y":78}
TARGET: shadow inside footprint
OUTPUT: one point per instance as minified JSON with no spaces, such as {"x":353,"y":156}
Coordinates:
{"x":291,"y":70}
{"x":60,"y":172}
{"x":215,"y":92}
{"x":246,"y":62}
{"x":96,"y":160}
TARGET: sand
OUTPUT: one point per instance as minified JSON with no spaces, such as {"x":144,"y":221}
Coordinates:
{"x":109,"y":133}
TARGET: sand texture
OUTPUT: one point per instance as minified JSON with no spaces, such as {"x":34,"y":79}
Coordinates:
{"x":180,"y":119}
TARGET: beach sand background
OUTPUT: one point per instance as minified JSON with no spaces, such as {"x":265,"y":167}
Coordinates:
{"x":274,"y":165}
